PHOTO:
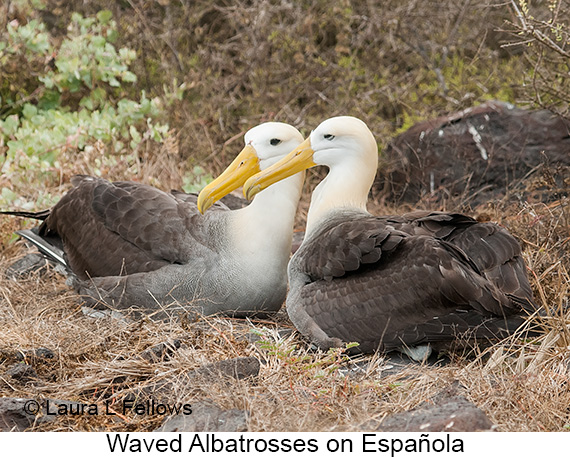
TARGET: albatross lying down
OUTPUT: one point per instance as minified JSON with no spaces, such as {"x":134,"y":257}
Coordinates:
{"x":391,"y":282}
{"x":129,"y":244}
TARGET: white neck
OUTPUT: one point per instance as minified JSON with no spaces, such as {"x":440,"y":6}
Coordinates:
{"x":345,"y":187}
{"x":264,"y":229}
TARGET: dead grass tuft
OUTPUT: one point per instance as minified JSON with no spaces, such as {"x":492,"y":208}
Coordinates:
{"x":520,"y":384}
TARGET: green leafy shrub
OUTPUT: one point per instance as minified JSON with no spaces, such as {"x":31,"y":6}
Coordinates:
{"x":71,"y":100}
{"x":197,"y":180}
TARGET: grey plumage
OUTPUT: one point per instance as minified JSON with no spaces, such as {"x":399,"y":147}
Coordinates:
{"x":130,"y":245}
{"x":127,"y":244}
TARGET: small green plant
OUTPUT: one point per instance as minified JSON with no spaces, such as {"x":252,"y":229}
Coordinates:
{"x":76,"y":96}
{"x":284,"y":352}
{"x":197,"y":180}
{"x":299,"y":361}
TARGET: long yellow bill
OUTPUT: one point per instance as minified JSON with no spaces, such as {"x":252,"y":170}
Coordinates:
{"x":246,"y":164}
{"x":297,"y":160}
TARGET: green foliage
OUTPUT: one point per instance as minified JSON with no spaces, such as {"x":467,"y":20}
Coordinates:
{"x":73,"y":99}
{"x":30,"y":38}
{"x":88,"y":57}
{"x":297,"y":360}
{"x":197,"y":180}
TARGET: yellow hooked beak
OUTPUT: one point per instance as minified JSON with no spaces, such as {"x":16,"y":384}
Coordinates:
{"x":246,"y":164}
{"x":297,"y":160}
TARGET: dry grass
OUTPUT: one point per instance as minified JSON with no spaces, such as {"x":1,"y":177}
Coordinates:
{"x":522,"y":385}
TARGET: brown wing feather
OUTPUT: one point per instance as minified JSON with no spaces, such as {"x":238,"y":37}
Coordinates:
{"x":418,"y":289}
{"x":344,"y":247}
{"x":119,"y":228}
{"x":192,"y":198}
{"x":491,"y":247}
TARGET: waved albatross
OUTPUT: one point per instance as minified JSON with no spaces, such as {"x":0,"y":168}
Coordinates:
{"x":132,"y":245}
{"x":408,"y":282}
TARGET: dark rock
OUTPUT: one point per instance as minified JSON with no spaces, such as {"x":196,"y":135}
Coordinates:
{"x":13,"y":417}
{"x":206,"y":417}
{"x":473,"y":155}
{"x":11,"y":355}
{"x":448,"y":411}
{"x":454,"y":415}
{"x":160,"y":352}
{"x":238,"y":368}
{"x":19,"y":414}
{"x":30,"y":263}
{"x":22,"y":372}
{"x":44,"y":353}
{"x":29,"y":356}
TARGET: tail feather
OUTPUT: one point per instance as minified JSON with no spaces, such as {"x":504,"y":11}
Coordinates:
{"x":46,"y":248}
{"x":48,"y":244}
{"x":39,"y":215}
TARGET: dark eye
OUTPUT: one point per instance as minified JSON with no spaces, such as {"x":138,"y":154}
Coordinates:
{"x":328,"y":136}
{"x":274,"y":141}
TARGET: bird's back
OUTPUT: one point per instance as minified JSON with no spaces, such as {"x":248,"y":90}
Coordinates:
{"x":122,"y":228}
{"x":390,"y":282}
{"x":495,"y":252}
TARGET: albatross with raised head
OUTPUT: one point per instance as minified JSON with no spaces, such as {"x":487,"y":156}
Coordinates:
{"x":132,"y":245}
{"x":408,"y":282}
